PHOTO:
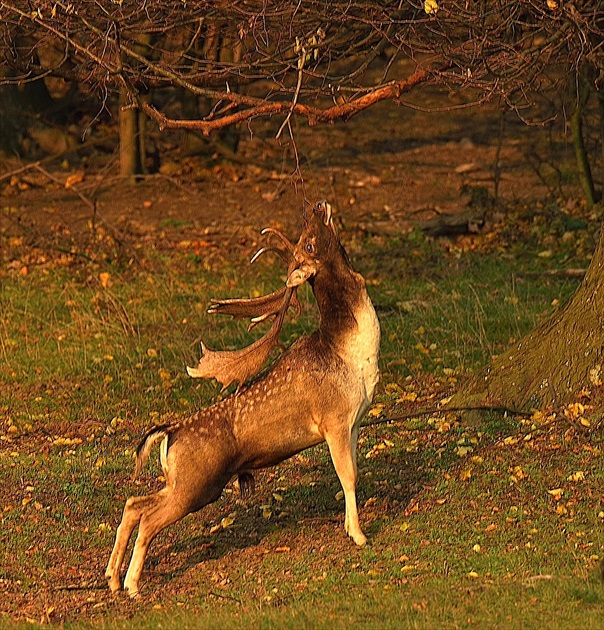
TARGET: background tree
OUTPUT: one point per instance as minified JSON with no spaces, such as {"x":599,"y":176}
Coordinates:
{"x":325,"y":62}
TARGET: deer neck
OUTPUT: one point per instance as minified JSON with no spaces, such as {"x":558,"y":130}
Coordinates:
{"x":338,"y":291}
{"x":348,"y":321}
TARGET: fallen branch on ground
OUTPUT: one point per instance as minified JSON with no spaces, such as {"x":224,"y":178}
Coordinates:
{"x":440,"y":410}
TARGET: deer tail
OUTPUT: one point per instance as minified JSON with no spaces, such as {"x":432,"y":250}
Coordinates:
{"x":149,"y":439}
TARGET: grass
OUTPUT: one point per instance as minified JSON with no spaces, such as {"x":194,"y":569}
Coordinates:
{"x":497,"y":525}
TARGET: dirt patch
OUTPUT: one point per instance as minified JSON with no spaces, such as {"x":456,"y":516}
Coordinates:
{"x":385,"y":171}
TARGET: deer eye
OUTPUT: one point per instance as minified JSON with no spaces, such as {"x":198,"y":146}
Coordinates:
{"x":309,"y":247}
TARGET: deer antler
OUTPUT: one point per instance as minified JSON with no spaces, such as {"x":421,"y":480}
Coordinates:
{"x":261,"y":308}
{"x":289,"y":246}
{"x":256,"y":309}
{"x":228,"y":366}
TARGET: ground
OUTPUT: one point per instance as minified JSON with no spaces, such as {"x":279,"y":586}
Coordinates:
{"x":388,"y":172}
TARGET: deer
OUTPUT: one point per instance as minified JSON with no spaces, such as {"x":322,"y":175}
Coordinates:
{"x":317,"y":391}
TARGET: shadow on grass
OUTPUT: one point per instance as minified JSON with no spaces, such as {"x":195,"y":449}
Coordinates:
{"x":302,"y":506}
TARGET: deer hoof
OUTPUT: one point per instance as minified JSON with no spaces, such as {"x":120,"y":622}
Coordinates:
{"x":133,"y":594}
{"x":360,"y":539}
{"x":114,"y":583}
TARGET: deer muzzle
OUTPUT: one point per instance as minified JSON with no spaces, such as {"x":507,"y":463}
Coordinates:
{"x":300,"y":275}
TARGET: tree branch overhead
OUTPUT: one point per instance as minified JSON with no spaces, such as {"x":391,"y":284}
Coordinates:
{"x":315,"y":60}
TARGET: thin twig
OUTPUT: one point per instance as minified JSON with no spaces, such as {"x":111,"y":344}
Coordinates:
{"x":93,"y":586}
{"x":296,"y":95}
{"x":568,"y":273}
{"x":51,"y":158}
{"x":220,"y":596}
{"x":89,"y":202}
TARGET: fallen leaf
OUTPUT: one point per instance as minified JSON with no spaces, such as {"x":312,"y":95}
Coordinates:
{"x":376,"y":410}
{"x":227,"y":521}
{"x":464,"y":475}
{"x":105,"y":279}
{"x":164,"y":375}
{"x":74,"y":179}
{"x":407,"y":397}
{"x":469,"y":167}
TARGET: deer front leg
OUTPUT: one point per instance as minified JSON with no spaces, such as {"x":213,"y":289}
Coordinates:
{"x":342,"y":447}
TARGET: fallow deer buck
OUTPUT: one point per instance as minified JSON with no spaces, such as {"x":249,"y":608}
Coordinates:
{"x":318,"y":391}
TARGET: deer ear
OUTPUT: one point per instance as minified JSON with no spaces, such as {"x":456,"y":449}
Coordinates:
{"x":327,"y":219}
{"x":324,"y":209}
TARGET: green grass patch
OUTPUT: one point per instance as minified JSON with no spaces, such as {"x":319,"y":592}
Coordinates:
{"x":496,"y":525}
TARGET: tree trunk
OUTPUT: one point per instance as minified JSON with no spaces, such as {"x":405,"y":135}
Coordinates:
{"x":576,"y":125}
{"x":130,"y":142}
{"x":555,"y":361}
{"x":601,"y":103}
{"x":132,"y":121}
{"x":11,"y":125}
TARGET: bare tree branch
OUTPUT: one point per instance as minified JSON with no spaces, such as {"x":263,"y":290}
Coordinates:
{"x":314,"y":115}
{"x":250,"y":58}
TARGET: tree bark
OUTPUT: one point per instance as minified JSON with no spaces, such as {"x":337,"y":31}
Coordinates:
{"x":130,"y":143}
{"x":601,"y":112}
{"x":555,"y":361}
{"x":11,"y":125}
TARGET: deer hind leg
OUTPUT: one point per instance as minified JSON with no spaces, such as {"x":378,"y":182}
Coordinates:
{"x":342,"y":447}
{"x":132,"y":515}
{"x":160,"y":512}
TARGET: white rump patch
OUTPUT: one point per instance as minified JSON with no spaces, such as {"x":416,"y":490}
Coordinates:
{"x":163,"y":455}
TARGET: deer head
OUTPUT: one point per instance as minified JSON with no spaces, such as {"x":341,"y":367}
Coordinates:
{"x":240,"y":365}
{"x":317,"y":245}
